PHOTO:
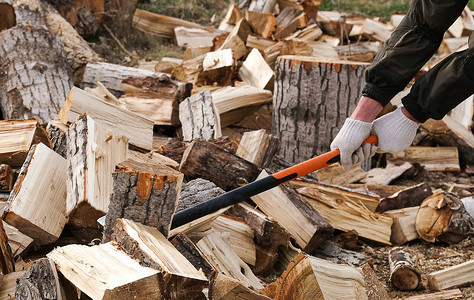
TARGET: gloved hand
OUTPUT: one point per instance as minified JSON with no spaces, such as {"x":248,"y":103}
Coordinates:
{"x":395,"y":131}
{"x":349,"y":142}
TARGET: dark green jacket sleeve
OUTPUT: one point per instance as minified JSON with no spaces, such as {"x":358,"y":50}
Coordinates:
{"x":410,"y":46}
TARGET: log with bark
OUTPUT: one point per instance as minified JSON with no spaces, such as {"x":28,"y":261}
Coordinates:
{"x":178,"y":278}
{"x":305,"y":224}
{"x":8,"y":15}
{"x":408,"y":197}
{"x":307,"y":117}
{"x":78,"y":52}
{"x":105,"y":272}
{"x":57,"y":132}
{"x":92,"y":153}
{"x":431,"y":158}
{"x":208,"y":161}
{"x":403,"y":274}
{"x":198,"y":118}
{"x":7,"y":262}
{"x":137,"y":129}
{"x":144,"y":191}
{"x":443,"y":216}
{"x":7,"y":292}
{"x":194,"y":192}
{"x":36,"y":78}
{"x":16,"y":139}
{"x":189,"y":250}
{"x":37,"y":205}
{"x":40,"y":281}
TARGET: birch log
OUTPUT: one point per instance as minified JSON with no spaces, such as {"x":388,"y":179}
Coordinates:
{"x":403,"y":274}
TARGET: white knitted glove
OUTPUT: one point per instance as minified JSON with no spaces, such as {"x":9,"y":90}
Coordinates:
{"x":395,"y":131}
{"x":349,"y":141}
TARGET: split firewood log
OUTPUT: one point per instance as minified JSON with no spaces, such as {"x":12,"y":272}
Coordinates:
{"x":445,"y":217}
{"x":40,"y":281}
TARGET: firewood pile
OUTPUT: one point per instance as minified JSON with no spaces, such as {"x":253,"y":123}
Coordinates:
{"x":96,"y":159}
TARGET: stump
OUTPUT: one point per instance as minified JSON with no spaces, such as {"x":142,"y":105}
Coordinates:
{"x":312,"y":99}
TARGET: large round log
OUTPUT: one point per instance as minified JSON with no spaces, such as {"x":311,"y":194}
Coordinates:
{"x":35,"y":78}
{"x":312,"y":99}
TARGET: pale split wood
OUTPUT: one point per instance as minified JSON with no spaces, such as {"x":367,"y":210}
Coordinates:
{"x":18,"y":241}
{"x":452,"y":276}
{"x":258,"y":147}
{"x":264,"y":6}
{"x":387,"y":174}
{"x":105,"y":272}
{"x":445,"y":295}
{"x":223,"y":287}
{"x":16,"y":139}
{"x":93,"y":151}
{"x":42,"y":181}
{"x":229,"y":100}
{"x":403,"y":227}
{"x":160,"y":111}
{"x":300,"y":21}
{"x":263,"y":24}
{"x":377,"y":30}
{"x":165,"y":65}
{"x":180,"y":279}
{"x":8,"y":285}
{"x":157,"y":24}
{"x":305,"y":225}
{"x":431,"y":158}
{"x":137,"y":129}
{"x":345,"y":215}
{"x":335,"y":175}
{"x":364,"y":199}
{"x":194,"y":37}
{"x":233,"y":15}
{"x":241,"y":238}
{"x":255,"y":71}
{"x":224,"y":259}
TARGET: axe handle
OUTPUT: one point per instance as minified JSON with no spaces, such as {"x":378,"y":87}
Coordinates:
{"x":244,"y":192}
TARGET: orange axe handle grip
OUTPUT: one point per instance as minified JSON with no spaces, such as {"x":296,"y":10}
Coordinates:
{"x":316,"y":163}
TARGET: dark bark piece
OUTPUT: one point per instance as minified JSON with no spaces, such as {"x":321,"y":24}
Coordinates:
{"x":226,"y":170}
{"x":7,"y":263}
{"x":6,"y":178}
{"x":189,"y":250}
{"x":144,"y":192}
{"x":197,"y":191}
{"x":267,"y":232}
{"x":307,"y":116}
{"x":40,"y":281}
{"x":7,"y":12}
{"x":57,"y":132}
{"x":36,"y":78}
{"x":409,"y":197}
{"x":332,"y":252}
{"x":403,"y":274}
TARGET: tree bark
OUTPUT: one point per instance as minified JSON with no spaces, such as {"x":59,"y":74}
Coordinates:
{"x":57,"y":132}
{"x":189,"y":250}
{"x":312,"y":99}
{"x":143,"y":192}
{"x":36,"y":78}
{"x":39,"y":282}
